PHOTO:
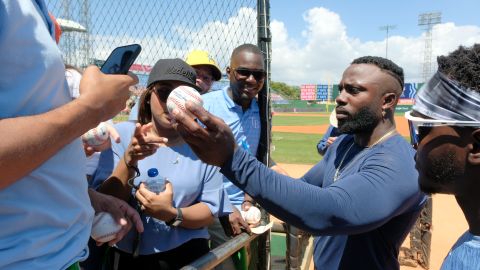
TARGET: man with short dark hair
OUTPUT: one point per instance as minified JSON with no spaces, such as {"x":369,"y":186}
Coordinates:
{"x":361,"y":200}
{"x":445,"y":126}
{"x":237,"y":105}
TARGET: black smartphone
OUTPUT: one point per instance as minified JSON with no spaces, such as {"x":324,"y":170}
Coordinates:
{"x":121,"y":59}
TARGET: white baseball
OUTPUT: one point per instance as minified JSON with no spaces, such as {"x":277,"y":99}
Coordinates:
{"x":180,"y":95}
{"x":252,"y":216}
{"x":104,"y":227}
{"x":96,"y":136}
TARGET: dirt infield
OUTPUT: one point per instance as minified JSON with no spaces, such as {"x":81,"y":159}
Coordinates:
{"x":402,"y":125}
{"x":448,"y":221}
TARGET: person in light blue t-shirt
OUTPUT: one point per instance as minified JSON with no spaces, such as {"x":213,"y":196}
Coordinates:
{"x":445,"y":128}
{"x":45,"y":205}
{"x":175,"y":220}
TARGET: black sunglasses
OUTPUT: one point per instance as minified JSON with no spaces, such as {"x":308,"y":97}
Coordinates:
{"x":163,"y":92}
{"x":417,"y":134}
{"x":244,"y":73}
{"x":421,"y":127}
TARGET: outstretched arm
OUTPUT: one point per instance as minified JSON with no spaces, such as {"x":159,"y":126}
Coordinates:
{"x":355,"y":204}
{"x":144,"y":143}
{"x":28,"y":141}
{"x":358,"y":203}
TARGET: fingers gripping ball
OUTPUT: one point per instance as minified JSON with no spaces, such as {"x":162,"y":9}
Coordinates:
{"x":104,"y":228}
{"x":96,"y":136}
{"x":180,"y":95}
{"x":252,"y":216}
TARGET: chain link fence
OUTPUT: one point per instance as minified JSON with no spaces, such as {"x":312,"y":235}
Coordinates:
{"x":164,"y":29}
{"x":170,"y":29}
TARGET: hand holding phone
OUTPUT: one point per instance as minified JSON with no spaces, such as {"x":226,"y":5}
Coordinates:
{"x":121,"y":59}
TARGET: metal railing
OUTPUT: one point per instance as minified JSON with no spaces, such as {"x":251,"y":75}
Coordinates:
{"x":299,"y":249}
{"x":216,"y":256}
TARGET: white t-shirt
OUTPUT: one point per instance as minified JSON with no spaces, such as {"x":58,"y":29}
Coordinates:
{"x":73,"y":80}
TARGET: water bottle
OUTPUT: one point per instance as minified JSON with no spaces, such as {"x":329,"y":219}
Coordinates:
{"x":155,"y":183}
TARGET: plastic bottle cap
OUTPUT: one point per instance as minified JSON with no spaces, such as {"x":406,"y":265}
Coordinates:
{"x":152,"y":172}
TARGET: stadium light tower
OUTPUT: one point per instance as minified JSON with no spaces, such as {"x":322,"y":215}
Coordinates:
{"x":75,"y":41}
{"x":427,"y":21}
{"x":387,"y":29}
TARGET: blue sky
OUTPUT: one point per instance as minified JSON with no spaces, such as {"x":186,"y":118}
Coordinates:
{"x":314,"y":41}
{"x":363,"y":18}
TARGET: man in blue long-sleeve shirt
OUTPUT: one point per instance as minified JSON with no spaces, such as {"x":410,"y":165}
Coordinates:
{"x":361,"y":199}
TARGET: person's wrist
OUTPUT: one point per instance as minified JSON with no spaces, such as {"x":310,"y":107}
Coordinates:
{"x":248,"y":201}
{"x":172,"y":214}
{"x":131,"y":168}
{"x":177,"y":219}
{"x":129,"y":161}
{"x":95,"y":199}
{"x":94,"y":112}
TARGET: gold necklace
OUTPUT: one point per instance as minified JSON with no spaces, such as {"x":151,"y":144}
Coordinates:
{"x":337,"y":171}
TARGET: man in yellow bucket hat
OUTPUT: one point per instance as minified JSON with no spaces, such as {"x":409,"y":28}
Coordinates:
{"x":206,"y":68}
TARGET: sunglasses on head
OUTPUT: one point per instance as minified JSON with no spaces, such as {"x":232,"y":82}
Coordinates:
{"x":420,"y":127}
{"x":244,"y":73}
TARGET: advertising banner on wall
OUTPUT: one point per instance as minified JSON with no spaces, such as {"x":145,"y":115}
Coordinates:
{"x":322,"y":92}
{"x":308,"y":92}
{"x":410,"y":90}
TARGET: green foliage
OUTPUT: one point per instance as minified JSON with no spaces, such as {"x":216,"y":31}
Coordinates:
{"x":285,"y":90}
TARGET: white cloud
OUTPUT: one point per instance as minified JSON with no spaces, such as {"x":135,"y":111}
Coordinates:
{"x":328,"y":49}
{"x":321,"y":57}
{"x":221,"y":38}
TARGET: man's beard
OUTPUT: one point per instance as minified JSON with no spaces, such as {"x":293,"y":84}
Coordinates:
{"x":441,"y":173}
{"x":363,"y":121}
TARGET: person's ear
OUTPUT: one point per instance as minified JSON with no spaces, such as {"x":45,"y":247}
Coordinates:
{"x":474,"y":155}
{"x":228,"y":70}
{"x":389,"y":101}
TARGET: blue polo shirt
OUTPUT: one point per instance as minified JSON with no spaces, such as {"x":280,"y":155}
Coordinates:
{"x":245,"y":126}
{"x":465,"y":254}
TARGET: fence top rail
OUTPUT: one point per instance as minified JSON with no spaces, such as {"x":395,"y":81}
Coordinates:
{"x":216,"y":256}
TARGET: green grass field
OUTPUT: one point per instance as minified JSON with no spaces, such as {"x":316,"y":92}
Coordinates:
{"x":299,"y":120}
{"x":296,"y":148}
